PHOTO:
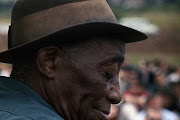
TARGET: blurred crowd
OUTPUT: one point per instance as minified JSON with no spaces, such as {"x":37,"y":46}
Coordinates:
{"x":151,"y":91}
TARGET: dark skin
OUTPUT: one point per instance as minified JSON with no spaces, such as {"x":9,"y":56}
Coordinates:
{"x":80,"y":82}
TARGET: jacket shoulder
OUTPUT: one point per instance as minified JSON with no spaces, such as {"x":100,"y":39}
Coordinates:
{"x":6,"y":115}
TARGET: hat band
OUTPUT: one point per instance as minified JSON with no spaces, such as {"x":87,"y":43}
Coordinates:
{"x":43,"y":23}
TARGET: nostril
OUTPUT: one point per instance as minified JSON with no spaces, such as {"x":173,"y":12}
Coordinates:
{"x":114,"y":97}
{"x":114,"y":102}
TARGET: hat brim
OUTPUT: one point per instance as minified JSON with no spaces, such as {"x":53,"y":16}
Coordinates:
{"x":121,"y":32}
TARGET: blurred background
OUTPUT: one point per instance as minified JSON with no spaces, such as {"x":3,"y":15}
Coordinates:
{"x":150,"y":76}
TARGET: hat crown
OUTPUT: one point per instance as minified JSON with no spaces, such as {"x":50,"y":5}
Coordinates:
{"x":32,"y":21}
{"x":23,"y":8}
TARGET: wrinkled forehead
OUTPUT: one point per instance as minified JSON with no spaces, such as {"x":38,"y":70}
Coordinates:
{"x":96,"y":42}
{"x":109,"y":44}
{"x":98,"y":49}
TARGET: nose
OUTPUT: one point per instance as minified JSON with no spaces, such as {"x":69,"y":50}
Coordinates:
{"x":114,"y":96}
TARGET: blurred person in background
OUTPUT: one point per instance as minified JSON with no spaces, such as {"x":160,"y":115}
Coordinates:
{"x":114,"y":112}
{"x":169,"y":99}
{"x":124,"y":77}
{"x":158,"y":64}
{"x":133,"y":98}
{"x":159,"y":81}
{"x":136,"y":94}
{"x":147,"y":76}
{"x":175,"y":88}
{"x":174,"y":76}
{"x":127,"y":111}
{"x":154,"y":110}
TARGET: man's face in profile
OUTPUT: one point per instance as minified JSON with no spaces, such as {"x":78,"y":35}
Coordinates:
{"x":90,"y":79}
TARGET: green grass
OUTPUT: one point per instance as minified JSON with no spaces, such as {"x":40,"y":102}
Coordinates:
{"x":164,"y":16}
{"x":162,"y":19}
{"x":171,"y":59}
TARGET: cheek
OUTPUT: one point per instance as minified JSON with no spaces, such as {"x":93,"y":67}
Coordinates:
{"x":98,"y":90}
{"x":93,"y":83}
{"x":96,"y":98}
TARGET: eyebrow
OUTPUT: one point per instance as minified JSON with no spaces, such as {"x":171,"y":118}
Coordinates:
{"x":114,"y":58}
{"x":118,"y":59}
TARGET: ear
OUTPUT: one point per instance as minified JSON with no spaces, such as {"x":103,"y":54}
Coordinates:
{"x":48,"y":60}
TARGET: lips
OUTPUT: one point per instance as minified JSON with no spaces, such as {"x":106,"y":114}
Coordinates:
{"x":103,"y":114}
{"x":104,"y":108}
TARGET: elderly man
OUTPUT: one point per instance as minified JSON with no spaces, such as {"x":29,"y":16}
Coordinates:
{"x":66,"y":56}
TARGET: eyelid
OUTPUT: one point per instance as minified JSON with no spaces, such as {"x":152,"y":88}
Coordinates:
{"x":109,"y":70}
{"x":108,"y":75}
{"x":111,"y":67}
{"x":119,"y":59}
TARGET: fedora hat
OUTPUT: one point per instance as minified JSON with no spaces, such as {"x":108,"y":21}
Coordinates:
{"x":36,"y":23}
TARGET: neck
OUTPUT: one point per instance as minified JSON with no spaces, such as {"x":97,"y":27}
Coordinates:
{"x":42,"y":86}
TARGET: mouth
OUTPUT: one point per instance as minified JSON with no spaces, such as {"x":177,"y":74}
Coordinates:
{"x":103,"y":113}
{"x":106,"y":112}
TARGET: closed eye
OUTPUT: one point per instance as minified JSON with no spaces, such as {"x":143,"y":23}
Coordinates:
{"x":110,"y":71}
{"x":108,"y":75}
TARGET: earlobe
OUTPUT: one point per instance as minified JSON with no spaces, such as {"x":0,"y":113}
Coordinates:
{"x":48,"y":60}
